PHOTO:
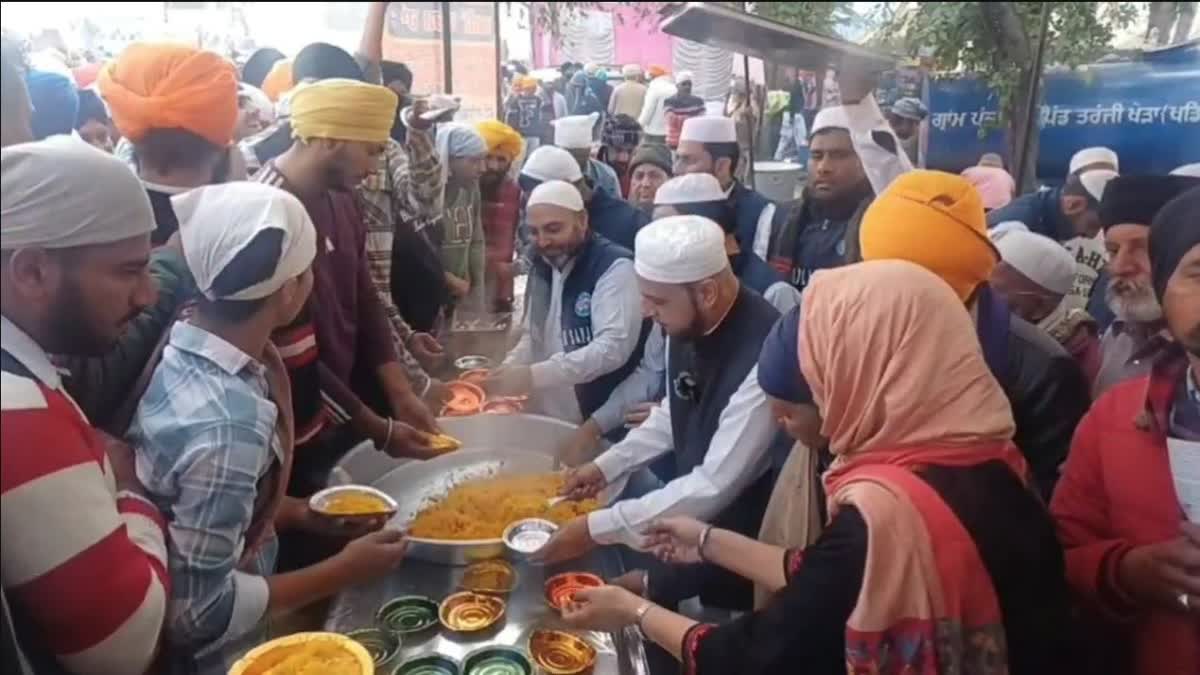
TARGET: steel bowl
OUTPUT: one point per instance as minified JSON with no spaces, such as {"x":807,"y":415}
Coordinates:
{"x":560,"y":653}
{"x":433,"y":664}
{"x":526,"y":537}
{"x":473,"y":362}
{"x":470,"y":612}
{"x":497,"y":661}
{"x":561,"y":588}
{"x":408,"y":614}
{"x":475,"y":377}
{"x":489,"y":576}
{"x":321,"y":501}
{"x":382,"y":645}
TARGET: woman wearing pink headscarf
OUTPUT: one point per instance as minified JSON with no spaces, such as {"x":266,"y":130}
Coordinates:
{"x":936,"y":557}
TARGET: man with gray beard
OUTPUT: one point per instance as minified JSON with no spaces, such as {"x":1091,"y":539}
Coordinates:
{"x":1135,"y":340}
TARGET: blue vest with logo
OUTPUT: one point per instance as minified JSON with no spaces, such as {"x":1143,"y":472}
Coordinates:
{"x":595,"y":258}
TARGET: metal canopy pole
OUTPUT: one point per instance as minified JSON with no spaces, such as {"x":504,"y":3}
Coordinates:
{"x":447,"y":65}
{"x":1031,"y":99}
{"x":499,"y":61}
{"x":750,"y":102}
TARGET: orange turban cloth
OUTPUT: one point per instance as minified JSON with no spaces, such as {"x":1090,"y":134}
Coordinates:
{"x":168,"y":86}
{"x":525,"y":84}
{"x":656,"y":71}
{"x":278,"y":80}
{"x":935,"y":220}
{"x":501,"y":139}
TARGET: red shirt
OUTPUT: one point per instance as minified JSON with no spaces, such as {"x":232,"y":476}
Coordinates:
{"x":501,"y":211}
{"x":1116,"y":493}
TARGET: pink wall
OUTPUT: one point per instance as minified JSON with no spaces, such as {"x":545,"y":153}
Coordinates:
{"x":637,"y":39}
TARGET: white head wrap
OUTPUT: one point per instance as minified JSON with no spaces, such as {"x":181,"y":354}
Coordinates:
{"x":63,"y":193}
{"x":680,"y":250}
{"x":456,"y":140}
{"x":833,"y":117}
{"x":709,"y":129}
{"x":691,"y":188}
{"x":1005,"y":228}
{"x":557,"y":193}
{"x":1046,"y":262}
{"x":217,"y":221}
{"x":1095,"y":180}
{"x":1094,"y":155}
{"x":552,"y":163}
{"x":259,"y":101}
{"x":683,"y":76}
{"x":574,"y":132}
{"x":1188,"y":170}
{"x":631,"y":70}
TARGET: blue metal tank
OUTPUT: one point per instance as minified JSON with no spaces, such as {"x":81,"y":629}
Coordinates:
{"x":1146,"y":109}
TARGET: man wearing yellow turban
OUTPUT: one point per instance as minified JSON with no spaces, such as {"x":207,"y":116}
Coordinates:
{"x":936,"y":220}
{"x":340,"y":128}
{"x":501,"y":209}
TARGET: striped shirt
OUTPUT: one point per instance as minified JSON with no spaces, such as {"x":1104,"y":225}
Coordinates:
{"x":83,"y":563}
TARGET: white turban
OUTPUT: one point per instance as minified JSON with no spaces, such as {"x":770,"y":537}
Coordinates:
{"x":63,"y":193}
{"x":683,"y":76}
{"x":552,"y":163}
{"x":1095,"y":180}
{"x":1003,"y":229}
{"x":1044,"y":261}
{"x":709,"y":129}
{"x":833,"y":117}
{"x":1094,"y":155}
{"x":574,"y":132}
{"x":1187,"y":170}
{"x":680,"y":250}
{"x":556,"y":193}
{"x":259,"y":101}
{"x":691,"y":188}
{"x":631,"y":70}
{"x":217,"y":221}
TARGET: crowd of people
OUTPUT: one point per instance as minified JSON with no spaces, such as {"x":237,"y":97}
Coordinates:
{"x":910,"y":423}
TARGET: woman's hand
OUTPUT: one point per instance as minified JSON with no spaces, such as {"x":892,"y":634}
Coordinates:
{"x":676,"y":540}
{"x":608,"y":608}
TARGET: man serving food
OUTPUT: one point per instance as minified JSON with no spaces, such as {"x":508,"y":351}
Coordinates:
{"x":715,"y":416}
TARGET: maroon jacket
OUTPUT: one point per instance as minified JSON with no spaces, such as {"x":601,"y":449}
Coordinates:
{"x":501,"y":212}
{"x":1116,"y":493}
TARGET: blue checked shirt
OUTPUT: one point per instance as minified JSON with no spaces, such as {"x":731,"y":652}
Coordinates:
{"x":205,"y":429}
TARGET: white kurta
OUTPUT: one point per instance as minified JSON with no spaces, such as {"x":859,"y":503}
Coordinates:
{"x":616,"y":317}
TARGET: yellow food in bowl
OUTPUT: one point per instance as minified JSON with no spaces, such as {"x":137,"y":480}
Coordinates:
{"x":481,"y":509}
{"x":354,"y":504}
{"x":306,"y":654}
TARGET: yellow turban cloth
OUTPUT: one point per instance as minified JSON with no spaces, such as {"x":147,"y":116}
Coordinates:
{"x":278,"y":80}
{"x":935,"y":220}
{"x":501,"y":139}
{"x":343,"y":110}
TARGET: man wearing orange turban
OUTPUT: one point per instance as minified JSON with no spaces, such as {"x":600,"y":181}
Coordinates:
{"x":177,"y":105}
{"x":278,"y":80}
{"x":936,"y":220}
{"x":501,"y":209}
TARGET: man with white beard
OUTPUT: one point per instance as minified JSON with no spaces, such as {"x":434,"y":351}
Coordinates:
{"x":1135,"y":340}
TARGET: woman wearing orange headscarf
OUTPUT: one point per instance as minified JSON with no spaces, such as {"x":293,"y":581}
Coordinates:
{"x":937,"y":557}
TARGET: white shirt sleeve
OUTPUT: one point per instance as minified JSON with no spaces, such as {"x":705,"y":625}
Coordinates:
{"x":616,"y":311}
{"x":762,"y":232}
{"x":522,"y":353}
{"x":881,"y":165}
{"x":649,"y":441}
{"x":737,"y":455}
{"x":782,"y":296}
{"x":641,"y":385}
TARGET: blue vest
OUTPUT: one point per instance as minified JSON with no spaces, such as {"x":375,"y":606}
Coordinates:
{"x":754,"y":272}
{"x":747,"y":206}
{"x":615,"y":219}
{"x":596,"y":257}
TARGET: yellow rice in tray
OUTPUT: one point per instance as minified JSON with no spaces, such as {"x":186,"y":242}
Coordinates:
{"x":481,"y":509}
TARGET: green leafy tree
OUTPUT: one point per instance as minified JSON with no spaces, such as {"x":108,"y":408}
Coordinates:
{"x":998,"y":41}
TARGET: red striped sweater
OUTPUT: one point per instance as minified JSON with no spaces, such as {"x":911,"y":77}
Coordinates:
{"x":84,"y":564}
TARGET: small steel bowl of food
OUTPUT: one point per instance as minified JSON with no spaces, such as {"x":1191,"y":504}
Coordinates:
{"x":526,"y":537}
{"x":560,"y":653}
{"x":408,"y":614}
{"x":470,"y":612}
{"x":475,"y":377}
{"x":353,"y":501}
{"x":489,"y":576}
{"x":561,"y":588}
{"x":472,"y":362}
{"x":381,"y":644}
{"x":497,"y":661}
{"x":431,"y":664}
